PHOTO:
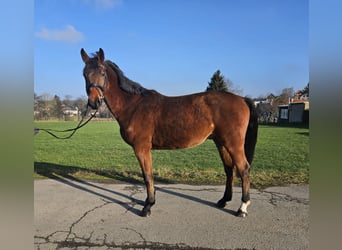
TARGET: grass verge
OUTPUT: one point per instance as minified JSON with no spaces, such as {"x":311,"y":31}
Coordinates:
{"x":97,"y":152}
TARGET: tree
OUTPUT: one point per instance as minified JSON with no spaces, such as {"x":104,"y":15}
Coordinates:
{"x":81,"y":104}
{"x":306,"y":89}
{"x":217,"y":83}
{"x":57,"y":110}
{"x":220,"y":83}
{"x":68,"y":101}
{"x":43,"y":103}
{"x":285,"y":96}
{"x":232,"y":88}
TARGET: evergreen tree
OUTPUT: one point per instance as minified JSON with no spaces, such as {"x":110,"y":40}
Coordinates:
{"x":217,"y":82}
{"x":57,"y":108}
{"x":306,"y":89}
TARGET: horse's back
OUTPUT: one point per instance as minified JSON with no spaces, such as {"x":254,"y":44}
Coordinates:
{"x":181,"y":121}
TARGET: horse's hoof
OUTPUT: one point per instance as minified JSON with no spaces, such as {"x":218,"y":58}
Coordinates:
{"x":241,"y":214}
{"x":145,"y":213}
{"x":221,"y":203}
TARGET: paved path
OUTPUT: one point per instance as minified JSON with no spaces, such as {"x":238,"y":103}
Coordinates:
{"x":97,"y":216}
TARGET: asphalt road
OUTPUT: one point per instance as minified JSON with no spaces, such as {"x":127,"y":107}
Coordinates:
{"x":71,"y":214}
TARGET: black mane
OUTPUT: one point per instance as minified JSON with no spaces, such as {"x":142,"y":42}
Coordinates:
{"x":126,"y":84}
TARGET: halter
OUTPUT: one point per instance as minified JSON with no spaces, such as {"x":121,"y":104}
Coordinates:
{"x":98,"y":86}
{"x":95,"y":85}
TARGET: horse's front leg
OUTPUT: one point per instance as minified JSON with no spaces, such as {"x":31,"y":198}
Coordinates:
{"x":145,"y":161}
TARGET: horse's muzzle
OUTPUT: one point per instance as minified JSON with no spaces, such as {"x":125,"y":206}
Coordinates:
{"x":95,"y":104}
{"x":95,"y":98}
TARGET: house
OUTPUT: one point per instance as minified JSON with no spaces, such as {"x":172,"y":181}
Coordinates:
{"x":283,"y":116}
{"x":295,"y":112}
{"x":71,"y":111}
{"x":264,"y":100}
{"x":301,"y":95}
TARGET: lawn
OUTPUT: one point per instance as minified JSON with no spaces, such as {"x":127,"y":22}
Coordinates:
{"x":97,"y":152}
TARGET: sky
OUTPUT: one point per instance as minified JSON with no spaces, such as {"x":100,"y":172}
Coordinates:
{"x":174,"y":46}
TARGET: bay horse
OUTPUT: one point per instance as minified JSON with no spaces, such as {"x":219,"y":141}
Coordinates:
{"x":149,"y":120}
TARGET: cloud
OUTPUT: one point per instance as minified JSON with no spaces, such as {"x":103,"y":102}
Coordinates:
{"x":68,"y":34}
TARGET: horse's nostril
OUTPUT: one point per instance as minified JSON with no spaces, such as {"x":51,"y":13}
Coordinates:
{"x":93,"y":104}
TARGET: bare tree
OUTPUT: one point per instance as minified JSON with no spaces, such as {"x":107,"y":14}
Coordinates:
{"x":232,"y":87}
{"x":81,"y":104}
{"x":285,"y":96}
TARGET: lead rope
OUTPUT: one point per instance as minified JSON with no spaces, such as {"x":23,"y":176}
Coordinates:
{"x":80,"y":125}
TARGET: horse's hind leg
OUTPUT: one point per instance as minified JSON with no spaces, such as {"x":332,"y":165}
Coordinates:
{"x":235,"y":156}
{"x":243,"y":168}
{"x":228,"y":168}
{"x":145,"y":161}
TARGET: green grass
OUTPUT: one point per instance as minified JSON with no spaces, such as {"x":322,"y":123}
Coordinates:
{"x":97,"y":152}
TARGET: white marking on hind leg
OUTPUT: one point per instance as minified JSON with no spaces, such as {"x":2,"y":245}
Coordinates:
{"x":244,"y":206}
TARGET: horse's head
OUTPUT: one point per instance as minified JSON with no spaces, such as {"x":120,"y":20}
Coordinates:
{"x":95,"y":76}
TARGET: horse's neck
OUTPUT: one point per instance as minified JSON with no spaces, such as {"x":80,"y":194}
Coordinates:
{"x":116,"y":99}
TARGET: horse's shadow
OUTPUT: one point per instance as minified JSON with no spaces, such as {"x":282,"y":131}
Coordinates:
{"x":64,"y":174}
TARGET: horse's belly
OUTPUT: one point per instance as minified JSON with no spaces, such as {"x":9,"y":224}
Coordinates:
{"x":176,"y":137}
{"x":182,"y":125}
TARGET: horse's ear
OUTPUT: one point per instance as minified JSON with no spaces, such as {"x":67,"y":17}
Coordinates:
{"x":101,"y":55}
{"x":84,"y":56}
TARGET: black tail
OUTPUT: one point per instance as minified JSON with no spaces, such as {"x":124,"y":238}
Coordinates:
{"x":252,"y":131}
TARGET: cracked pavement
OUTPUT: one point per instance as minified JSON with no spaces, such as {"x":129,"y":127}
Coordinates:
{"x":77,"y":214}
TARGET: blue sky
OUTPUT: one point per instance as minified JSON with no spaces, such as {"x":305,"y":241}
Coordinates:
{"x":174,"y":46}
